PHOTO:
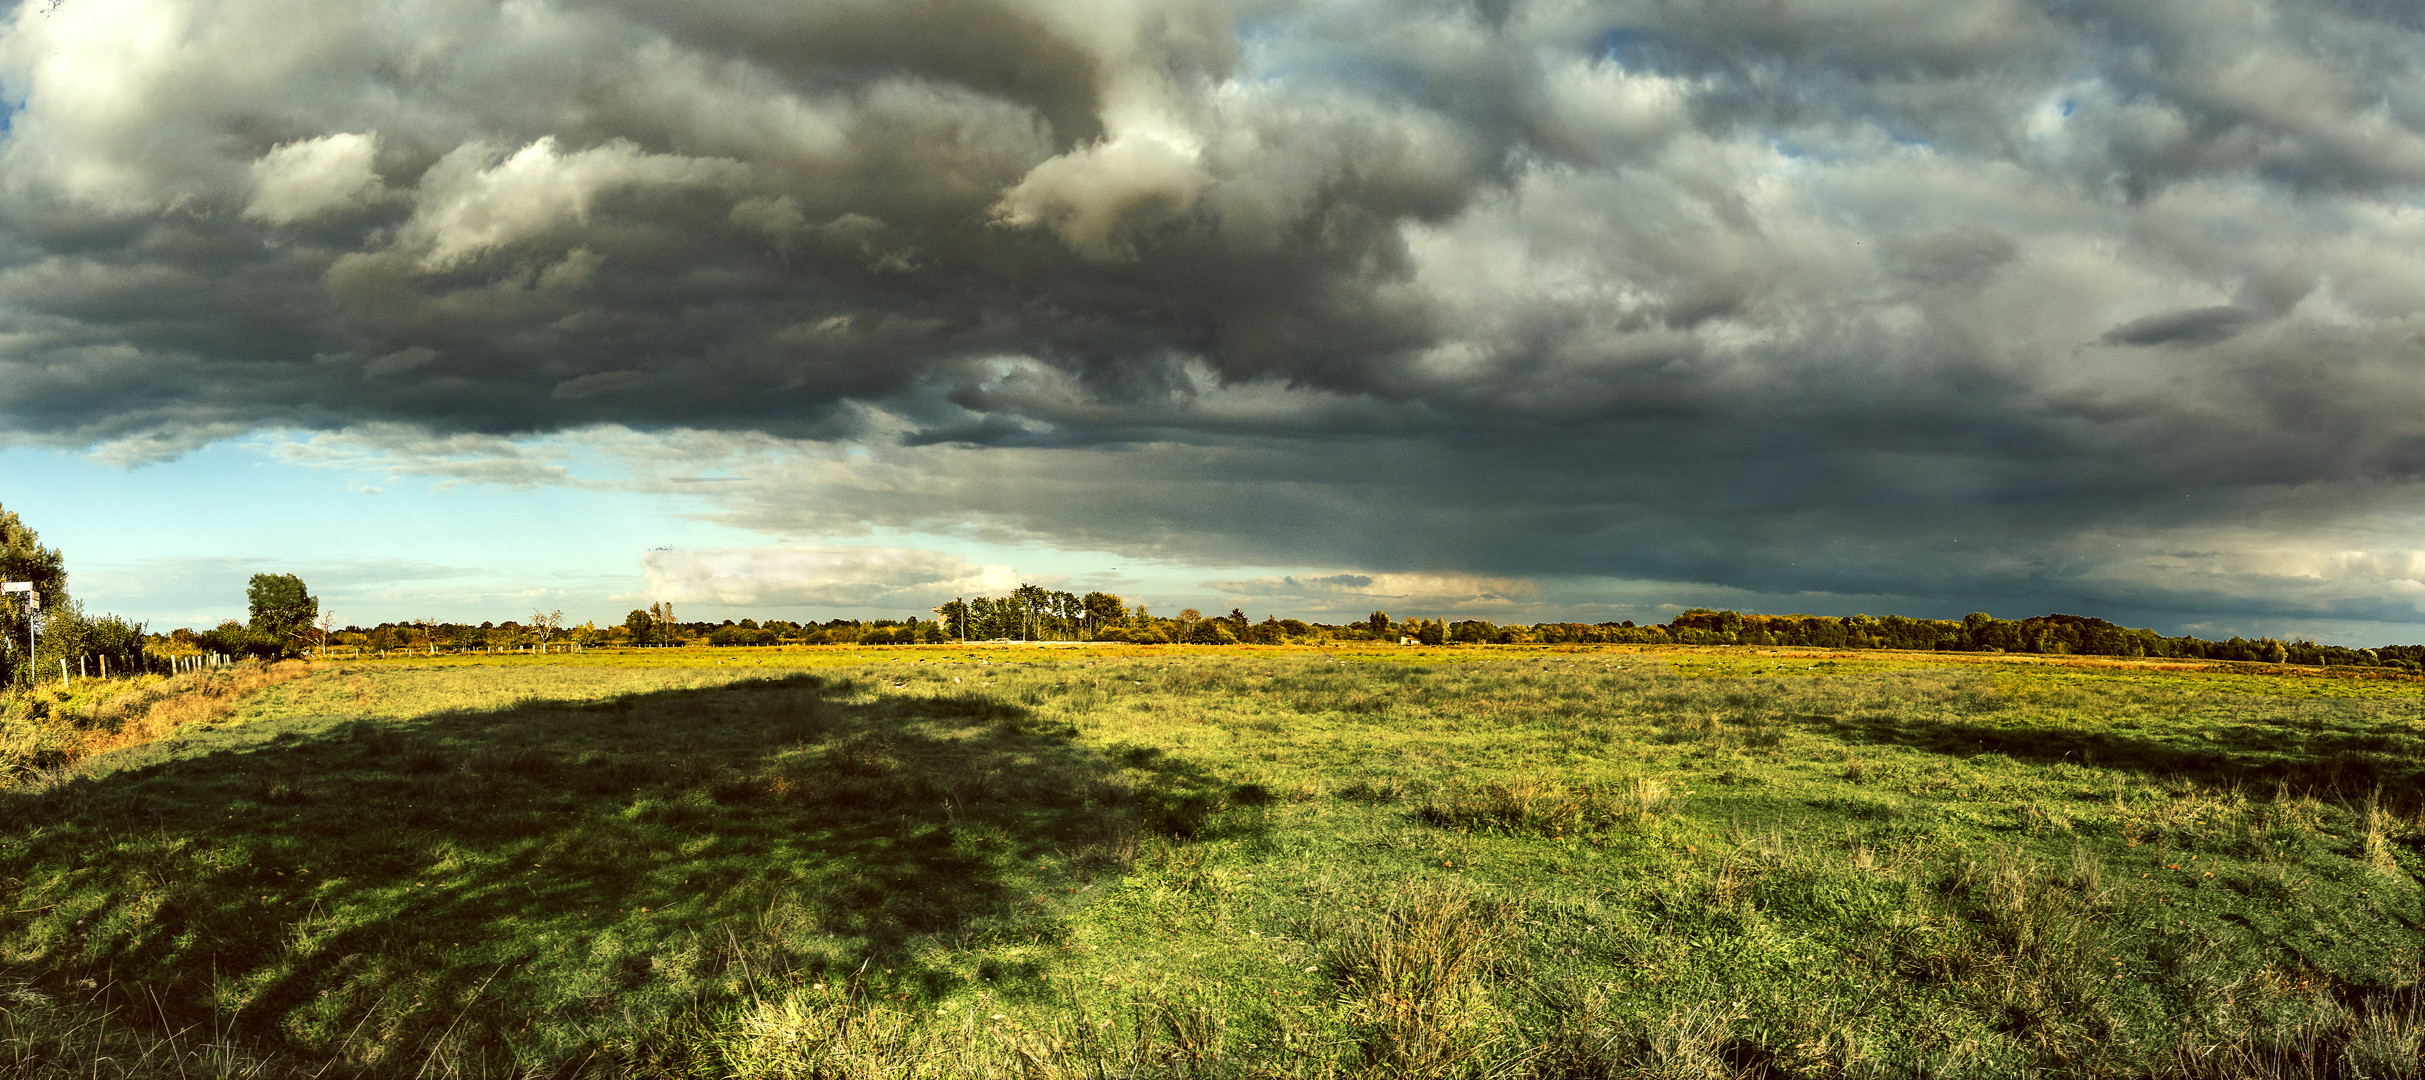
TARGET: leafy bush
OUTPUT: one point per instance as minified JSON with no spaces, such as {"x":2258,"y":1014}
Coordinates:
{"x":67,"y":633}
{"x":1211,"y":632}
{"x":236,"y":639}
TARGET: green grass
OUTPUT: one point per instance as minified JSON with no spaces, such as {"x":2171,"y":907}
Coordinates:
{"x":1100,"y":862}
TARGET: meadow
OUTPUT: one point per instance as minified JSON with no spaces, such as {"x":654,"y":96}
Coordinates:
{"x":1146,"y":862}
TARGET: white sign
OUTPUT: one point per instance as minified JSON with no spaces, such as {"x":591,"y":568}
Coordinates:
{"x":16,"y":586}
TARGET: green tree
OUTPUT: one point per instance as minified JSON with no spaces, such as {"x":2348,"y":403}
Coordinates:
{"x":1379,"y":625}
{"x":281,"y":606}
{"x":1068,"y":615}
{"x":1209,"y":632}
{"x":1102,"y":610}
{"x":1032,"y":602}
{"x":23,"y":558}
{"x":953,"y":614}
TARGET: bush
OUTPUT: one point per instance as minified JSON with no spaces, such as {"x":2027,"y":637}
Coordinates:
{"x":68,"y":633}
{"x":236,"y":639}
{"x":1211,"y":632}
{"x":116,"y":639}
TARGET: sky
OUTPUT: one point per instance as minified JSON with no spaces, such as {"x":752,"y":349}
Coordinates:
{"x":1492,"y":309}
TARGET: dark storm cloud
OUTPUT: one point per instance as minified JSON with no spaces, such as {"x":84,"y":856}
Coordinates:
{"x":2197,"y":326}
{"x":1843,"y":297}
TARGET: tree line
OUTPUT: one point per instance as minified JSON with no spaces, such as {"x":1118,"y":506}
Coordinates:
{"x":284,"y":619}
{"x":283,"y":626}
{"x":1980,"y":632}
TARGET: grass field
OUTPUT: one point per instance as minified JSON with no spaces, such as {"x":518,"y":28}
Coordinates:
{"x":1117,"y":862}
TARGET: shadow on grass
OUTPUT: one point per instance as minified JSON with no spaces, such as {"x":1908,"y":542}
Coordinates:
{"x":2345,"y":755}
{"x":527,"y":885}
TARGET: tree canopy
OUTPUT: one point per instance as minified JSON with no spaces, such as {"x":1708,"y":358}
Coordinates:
{"x":281,"y":605}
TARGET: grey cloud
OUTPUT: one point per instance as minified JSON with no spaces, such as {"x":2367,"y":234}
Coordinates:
{"x":1358,"y":594}
{"x":1782,"y":296}
{"x":2197,"y":326}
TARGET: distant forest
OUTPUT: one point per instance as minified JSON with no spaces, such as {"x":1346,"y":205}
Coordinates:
{"x":286,"y":620}
{"x":1033,"y":613}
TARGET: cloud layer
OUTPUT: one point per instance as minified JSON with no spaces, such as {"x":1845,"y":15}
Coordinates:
{"x":824,"y":577}
{"x":2091,"y":305}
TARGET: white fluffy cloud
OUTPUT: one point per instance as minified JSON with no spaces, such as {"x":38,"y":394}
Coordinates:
{"x":1090,"y":193}
{"x":825,"y":577}
{"x":310,"y":178}
{"x":475,"y":200}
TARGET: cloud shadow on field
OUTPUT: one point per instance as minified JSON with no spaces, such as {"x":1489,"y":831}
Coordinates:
{"x":546,"y":879}
{"x":2313,"y":747}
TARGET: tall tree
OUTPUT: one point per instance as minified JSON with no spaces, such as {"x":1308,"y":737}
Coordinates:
{"x":545,"y":624}
{"x":1032,"y":601}
{"x":1102,"y":609}
{"x":953,"y":614}
{"x":281,"y":606}
{"x":1069,"y":614}
{"x":23,"y":558}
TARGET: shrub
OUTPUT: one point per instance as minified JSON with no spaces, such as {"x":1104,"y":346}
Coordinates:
{"x":1211,"y":632}
{"x":68,"y":633}
{"x":235,"y":639}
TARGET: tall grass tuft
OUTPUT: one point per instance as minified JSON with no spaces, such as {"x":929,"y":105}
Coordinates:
{"x":1413,"y":976}
{"x":2329,"y":1040}
{"x":2379,"y":828}
{"x":2025,"y":948}
{"x":816,"y":1033}
{"x":1538,"y":807}
{"x":1590,"y":1040}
